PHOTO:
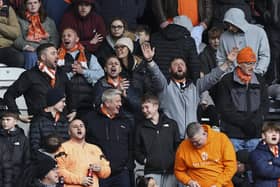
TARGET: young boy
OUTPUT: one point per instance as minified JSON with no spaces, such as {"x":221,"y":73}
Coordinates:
{"x":265,"y":161}
{"x":17,"y":143}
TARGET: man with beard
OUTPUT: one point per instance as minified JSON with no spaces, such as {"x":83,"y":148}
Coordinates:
{"x":35,"y":83}
{"x":80,"y":157}
{"x":179,"y":97}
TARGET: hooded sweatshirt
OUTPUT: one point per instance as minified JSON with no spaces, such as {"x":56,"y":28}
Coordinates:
{"x":249,"y":35}
{"x":212,"y":164}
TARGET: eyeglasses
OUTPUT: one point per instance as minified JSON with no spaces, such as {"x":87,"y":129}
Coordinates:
{"x":120,"y":47}
{"x":117,"y":27}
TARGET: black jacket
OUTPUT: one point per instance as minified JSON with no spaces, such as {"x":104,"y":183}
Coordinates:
{"x":242,"y":107}
{"x":207,"y":59}
{"x":157,"y":144}
{"x":34,"y":85}
{"x":6,"y":170}
{"x":43,"y":125}
{"x":18,"y":146}
{"x":104,"y":51}
{"x":114,"y":137}
{"x":175,"y":41}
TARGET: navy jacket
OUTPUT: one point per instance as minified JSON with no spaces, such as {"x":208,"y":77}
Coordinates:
{"x":265,"y":166}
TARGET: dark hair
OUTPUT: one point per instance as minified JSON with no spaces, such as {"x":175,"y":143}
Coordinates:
{"x":177,"y":57}
{"x":192,"y":129}
{"x":115,"y":19}
{"x":215,"y":32}
{"x":110,"y":56}
{"x":149,"y":97}
{"x":42,"y":13}
{"x":41,"y":48}
{"x":142,"y":181}
{"x":271,"y":125}
{"x":143,"y":28}
{"x":51,"y":143}
{"x":10,"y":114}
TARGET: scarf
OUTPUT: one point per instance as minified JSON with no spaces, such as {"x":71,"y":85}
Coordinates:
{"x":275,"y":152}
{"x":113,"y":83}
{"x":36,"y":31}
{"x":50,"y":72}
{"x":106,"y":113}
{"x":242,"y":76}
{"x":81,"y":58}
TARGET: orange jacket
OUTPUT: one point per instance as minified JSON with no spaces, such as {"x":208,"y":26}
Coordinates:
{"x":213,"y":164}
{"x":73,"y":167}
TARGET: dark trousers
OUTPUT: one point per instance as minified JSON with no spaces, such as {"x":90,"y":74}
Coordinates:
{"x":119,"y":180}
{"x":11,"y":57}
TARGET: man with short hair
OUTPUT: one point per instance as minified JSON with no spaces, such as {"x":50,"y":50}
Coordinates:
{"x":82,"y":68}
{"x":80,"y":157}
{"x":34,"y":84}
{"x":156,"y":141}
{"x":206,"y":158}
{"x":112,"y":131}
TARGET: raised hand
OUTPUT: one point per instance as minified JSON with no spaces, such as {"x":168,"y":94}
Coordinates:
{"x":96,"y":39}
{"x":148,"y":51}
{"x":233,"y":54}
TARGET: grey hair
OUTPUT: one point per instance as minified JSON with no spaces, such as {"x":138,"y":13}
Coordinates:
{"x":192,"y":129}
{"x":109,"y":94}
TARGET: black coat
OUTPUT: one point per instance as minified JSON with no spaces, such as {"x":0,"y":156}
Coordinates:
{"x":157,"y":144}
{"x":175,"y":41}
{"x":34,"y":85}
{"x":44,"y":125}
{"x":114,"y":137}
{"x":18,"y":146}
{"x":6,"y":168}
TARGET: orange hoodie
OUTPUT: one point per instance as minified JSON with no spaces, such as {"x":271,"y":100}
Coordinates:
{"x":189,"y":8}
{"x":74,"y":166}
{"x":213,"y":164}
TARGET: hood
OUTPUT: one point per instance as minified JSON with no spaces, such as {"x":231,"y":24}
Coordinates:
{"x":236,"y":17}
{"x":75,"y":8}
{"x":175,"y":32}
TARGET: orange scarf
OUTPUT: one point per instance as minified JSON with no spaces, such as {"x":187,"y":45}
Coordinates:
{"x":50,"y":72}
{"x":242,"y":76}
{"x":106,"y":113}
{"x":81,"y":58}
{"x":114,"y":84}
{"x":275,"y":151}
{"x":36,"y":31}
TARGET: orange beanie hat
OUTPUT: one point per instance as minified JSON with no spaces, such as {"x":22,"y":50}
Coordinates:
{"x":246,"y":55}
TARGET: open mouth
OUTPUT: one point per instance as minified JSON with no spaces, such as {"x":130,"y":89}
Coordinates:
{"x":67,"y":42}
{"x":274,"y":138}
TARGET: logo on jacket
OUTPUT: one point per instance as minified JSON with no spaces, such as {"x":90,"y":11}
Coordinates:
{"x":166,"y":125}
{"x":16,"y":143}
{"x":204,"y":156}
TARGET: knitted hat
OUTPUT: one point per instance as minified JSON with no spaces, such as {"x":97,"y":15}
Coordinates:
{"x":183,"y":21}
{"x":127,"y":42}
{"x":246,"y":55}
{"x":43,"y":166}
{"x":54,"y":95}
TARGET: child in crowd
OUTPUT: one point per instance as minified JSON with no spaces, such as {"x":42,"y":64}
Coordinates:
{"x":265,"y":161}
{"x":17,"y":143}
{"x":142,"y":181}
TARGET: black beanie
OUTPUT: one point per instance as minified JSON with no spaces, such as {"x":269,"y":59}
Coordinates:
{"x":43,"y":166}
{"x":54,"y":95}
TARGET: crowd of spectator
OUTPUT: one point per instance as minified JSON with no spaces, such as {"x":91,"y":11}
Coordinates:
{"x":179,"y":87}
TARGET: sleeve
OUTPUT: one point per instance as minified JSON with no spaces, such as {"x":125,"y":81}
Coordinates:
{"x":158,"y":11}
{"x":19,"y":87}
{"x":180,"y":167}
{"x":208,"y":12}
{"x":105,"y":170}
{"x":54,"y":37}
{"x":94,"y":71}
{"x":69,"y":177}
{"x":35,"y":135}
{"x":138,"y":148}
{"x":157,"y":77}
{"x":263,"y":54}
{"x":20,"y":42}
{"x":229,"y":162}
{"x":12,"y":29}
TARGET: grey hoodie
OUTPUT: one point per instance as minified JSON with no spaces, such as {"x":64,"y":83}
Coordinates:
{"x":250,"y":35}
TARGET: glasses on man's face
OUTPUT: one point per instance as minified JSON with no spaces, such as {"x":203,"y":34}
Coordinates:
{"x":116,"y":27}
